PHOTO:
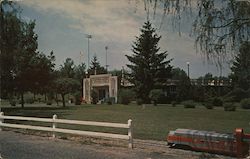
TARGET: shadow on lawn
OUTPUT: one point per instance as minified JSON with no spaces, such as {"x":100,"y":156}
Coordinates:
{"x":35,"y":111}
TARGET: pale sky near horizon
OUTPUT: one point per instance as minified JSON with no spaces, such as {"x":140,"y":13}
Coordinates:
{"x":61,"y":26}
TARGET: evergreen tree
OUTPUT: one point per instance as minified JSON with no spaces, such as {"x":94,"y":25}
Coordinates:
{"x":67,"y":69}
{"x":80,"y":72}
{"x":241,"y":67}
{"x":149,"y":68}
{"x":95,"y":67}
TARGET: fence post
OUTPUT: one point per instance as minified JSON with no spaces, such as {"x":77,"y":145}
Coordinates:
{"x":54,"y":125}
{"x":130,"y":134}
{"x":1,"y":119}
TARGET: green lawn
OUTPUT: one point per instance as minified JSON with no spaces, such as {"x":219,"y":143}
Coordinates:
{"x":149,"y":123}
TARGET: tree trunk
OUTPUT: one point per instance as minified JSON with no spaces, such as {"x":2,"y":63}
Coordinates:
{"x":155,"y":103}
{"x":45,"y":97}
{"x":63,"y":99}
{"x":22,"y":100}
{"x":56,"y":100}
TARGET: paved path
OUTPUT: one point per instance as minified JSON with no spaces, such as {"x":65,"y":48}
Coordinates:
{"x":19,"y":146}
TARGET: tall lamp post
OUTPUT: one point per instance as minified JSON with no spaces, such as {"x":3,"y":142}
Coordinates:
{"x":106,"y":48}
{"x":88,"y":36}
{"x":188,"y":63}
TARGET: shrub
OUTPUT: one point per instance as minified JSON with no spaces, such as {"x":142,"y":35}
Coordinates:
{"x":236,"y":95}
{"x":77,"y":98}
{"x":110,"y":100}
{"x":229,"y":106}
{"x":29,"y":100}
{"x":20,"y":102}
{"x":245,"y":103}
{"x":12,"y":102}
{"x":94,"y":97}
{"x":155,"y":95}
{"x":174,"y":103}
{"x":208,"y":105}
{"x":125,"y":96}
{"x":228,"y":99}
{"x":49,"y":102}
{"x":50,"y":96}
{"x":139,"y":101}
{"x":217,"y":102}
{"x":208,"y":101}
{"x":188,"y":104}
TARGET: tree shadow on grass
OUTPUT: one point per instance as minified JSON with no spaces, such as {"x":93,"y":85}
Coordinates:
{"x":35,"y":111}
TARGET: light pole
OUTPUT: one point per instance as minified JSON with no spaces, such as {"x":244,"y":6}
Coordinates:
{"x":81,"y":57}
{"x":106,"y":48}
{"x":188,"y":63}
{"x":88,"y":36}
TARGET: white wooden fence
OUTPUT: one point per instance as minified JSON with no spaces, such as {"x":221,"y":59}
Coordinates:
{"x":54,"y":128}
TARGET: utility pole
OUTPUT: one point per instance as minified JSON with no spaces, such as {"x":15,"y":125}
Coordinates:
{"x":106,"y":48}
{"x":88,"y":36}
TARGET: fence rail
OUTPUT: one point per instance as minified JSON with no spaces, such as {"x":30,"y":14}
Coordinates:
{"x":54,"y":120}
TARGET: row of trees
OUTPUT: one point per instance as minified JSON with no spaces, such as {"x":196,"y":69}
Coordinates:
{"x":150,"y":70}
{"x":25,"y":69}
{"x":69,"y":78}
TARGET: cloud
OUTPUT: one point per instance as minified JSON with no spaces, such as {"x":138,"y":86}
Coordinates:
{"x":104,"y":19}
{"x":111,"y":22}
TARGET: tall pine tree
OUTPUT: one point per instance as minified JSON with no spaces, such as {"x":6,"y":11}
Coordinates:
{"x":149,"y":68}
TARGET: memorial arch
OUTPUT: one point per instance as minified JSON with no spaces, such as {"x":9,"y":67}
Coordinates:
{"x":105,"y":85}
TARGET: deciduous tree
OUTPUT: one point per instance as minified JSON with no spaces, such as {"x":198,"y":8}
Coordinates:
{"x":219,"y":26}
{"x":241,"y":67}
{"x":65,"y":86}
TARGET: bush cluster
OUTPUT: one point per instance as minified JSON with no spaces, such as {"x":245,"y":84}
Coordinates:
{"x":229,"y":106}
{"x":217,"y":102}
{"x":29,"y":100}
{"x":155,"y":95}
{"x":13,"y":102}
{"x":236,"y":95}
{"x":208,"y":105}
{"x":189,"y":104}
{"x":49,"y":102}
{"x":125,"y":96}
{"x":94,"y":97}
{"x":77,"y":98}
{"x":174,"y":103}
{"x":110,"y":100}
{"x":245,"y":103}
{"x":139,"y":101}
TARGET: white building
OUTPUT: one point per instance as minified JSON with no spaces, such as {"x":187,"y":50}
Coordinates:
{"x":105,"y":86}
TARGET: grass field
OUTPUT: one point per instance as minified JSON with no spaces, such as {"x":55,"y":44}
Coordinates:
{"x":151,"y":122}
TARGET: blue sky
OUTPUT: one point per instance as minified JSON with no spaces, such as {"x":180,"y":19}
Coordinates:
{"x":61,"y":26}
